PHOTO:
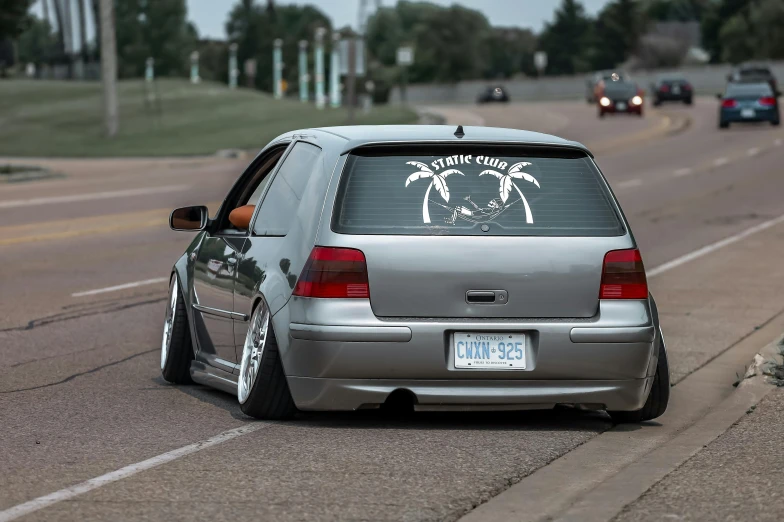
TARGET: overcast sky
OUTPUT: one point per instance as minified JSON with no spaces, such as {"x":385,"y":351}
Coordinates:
{"x":210,"y":16}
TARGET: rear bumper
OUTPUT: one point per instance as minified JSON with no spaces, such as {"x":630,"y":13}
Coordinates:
{"x":614,"y":345}
{"x":735,"y":115}
{"x":466,"y":395}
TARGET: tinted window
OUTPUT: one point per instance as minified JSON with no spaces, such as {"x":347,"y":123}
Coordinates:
{"x":756,"y":89}
{"x":282,"y":200}
{"x":620,"y":89}
{"x":474,"y":192}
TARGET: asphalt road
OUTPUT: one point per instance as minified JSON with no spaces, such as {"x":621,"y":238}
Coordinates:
{"x":80,"y":387}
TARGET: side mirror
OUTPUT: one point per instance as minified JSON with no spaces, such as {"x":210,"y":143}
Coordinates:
{"x":719,"y":96}
{"x":189,"y":218}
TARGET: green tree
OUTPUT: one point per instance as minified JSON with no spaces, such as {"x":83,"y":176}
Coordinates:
{"x":737,"y":44}
{"x":156,"y":28}
{"x":38,"y":43}
{"x":715,"y":15}
{"x":617,"y":32}
{"x":255,"y":27}
{"x":14,"y":18}
{"x":566,"y":39}
{"x":509,"y":51}
{"x":767,"y":20}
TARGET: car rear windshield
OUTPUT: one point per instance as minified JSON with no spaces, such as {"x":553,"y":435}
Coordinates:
{"x":749,"y":89}
{"x":474,"y":190}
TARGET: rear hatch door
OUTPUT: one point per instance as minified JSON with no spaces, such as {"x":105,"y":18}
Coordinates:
{"x":442,"y":228}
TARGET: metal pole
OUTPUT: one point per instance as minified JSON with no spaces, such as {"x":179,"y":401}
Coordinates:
{"x":233,"y":70}
{"x":277,"y":69}
{"x":109,"y":68}
{"x":334,"y":72}
{"x":195,"y":67}
{"x":352,"y":73}
{"x":320,"y":32}
{"x":303,"y":71}
{"x":404,"y":74}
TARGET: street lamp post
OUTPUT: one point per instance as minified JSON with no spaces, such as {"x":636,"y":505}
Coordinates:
{"x":195,"y":67}
{"x":303,"y":71}
{"x":334,"y":72}
{"x":233,"y":70}
{"x":320,"y":32}
{"x":277,"y":65}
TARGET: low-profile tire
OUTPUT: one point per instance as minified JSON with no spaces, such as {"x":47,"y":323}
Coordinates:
{"x":659,"y":396}
{"x":262,"y":388}
{"x":176,"y":345}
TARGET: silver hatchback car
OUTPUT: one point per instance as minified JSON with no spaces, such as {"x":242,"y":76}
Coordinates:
{"x":457,"y":269}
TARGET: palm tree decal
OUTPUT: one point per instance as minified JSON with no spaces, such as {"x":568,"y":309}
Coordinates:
{"x":514,"y":172}
{"x":436,"y":180}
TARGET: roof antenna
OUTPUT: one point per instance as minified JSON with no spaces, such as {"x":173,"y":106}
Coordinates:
{"x":459,"y":132}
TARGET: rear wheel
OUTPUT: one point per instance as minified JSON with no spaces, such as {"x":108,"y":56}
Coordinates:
{"x":724,"y":124}
{"x":601,"y":113}
{"x":687,"y":101}
{"x":776,"y":122}
{"x":262,"y":388}
{"x":176,"y":345}
{"x":659,"y":396}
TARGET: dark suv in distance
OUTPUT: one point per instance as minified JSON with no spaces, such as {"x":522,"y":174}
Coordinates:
{"x":753,"y":73}
{"x":493,"y":94}
{"x":671,"y":88}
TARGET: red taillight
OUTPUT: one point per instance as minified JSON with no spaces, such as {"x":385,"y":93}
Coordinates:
{"x":334,"y":273}
{"x":623,"y":276}
{"x":767,"y":100}
{"x":664,"y":88}
{"x":686,"y":87}
{"x":728,"y":104}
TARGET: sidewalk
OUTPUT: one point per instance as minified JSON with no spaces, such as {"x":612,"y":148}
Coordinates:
{"x":738,"y":476}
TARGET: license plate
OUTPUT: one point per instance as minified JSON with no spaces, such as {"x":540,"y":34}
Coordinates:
{"x":747,"y":113}
{"x":620,"y":106}
{"x":482,"y":351}
{"x":676,"y":90}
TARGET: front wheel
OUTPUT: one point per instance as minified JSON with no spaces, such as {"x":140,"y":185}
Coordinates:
{"x":658,"y":397}
{"x":262,"y":388}
{"x":176,"y":345}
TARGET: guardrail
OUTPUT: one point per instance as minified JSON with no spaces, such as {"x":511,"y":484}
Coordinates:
{"x":706,"y":79}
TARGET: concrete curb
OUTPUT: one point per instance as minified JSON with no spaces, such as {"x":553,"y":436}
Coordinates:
{"x":596,"y":481}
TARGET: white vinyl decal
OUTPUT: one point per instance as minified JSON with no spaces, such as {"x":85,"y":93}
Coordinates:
{"x":476,"y":214}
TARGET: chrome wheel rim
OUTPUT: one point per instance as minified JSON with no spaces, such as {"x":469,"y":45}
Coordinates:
{"x":169,"y":323}
{"x":252,"y":351}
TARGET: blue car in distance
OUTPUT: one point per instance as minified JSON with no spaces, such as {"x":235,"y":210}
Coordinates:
{"x":748,"y":102}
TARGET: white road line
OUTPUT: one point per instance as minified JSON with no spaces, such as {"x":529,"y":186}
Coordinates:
{"x":94,"y":483}
{"x":678,"y":261}
{"x":718,"y":162}
{"x":683,"y":172}
{"x":91,"y":196}
{"x":121,"y":287}
{"x":753,"y":151}
{"x":630,"y":183}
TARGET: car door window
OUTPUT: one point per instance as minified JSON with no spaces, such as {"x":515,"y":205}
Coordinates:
{"x":282,"y":200}
{"x":250,"y":191}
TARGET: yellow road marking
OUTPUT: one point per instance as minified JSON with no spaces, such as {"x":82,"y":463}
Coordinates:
{"x":93,"y":225}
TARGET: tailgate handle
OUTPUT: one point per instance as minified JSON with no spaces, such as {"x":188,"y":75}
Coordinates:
{"x":483,"y":297}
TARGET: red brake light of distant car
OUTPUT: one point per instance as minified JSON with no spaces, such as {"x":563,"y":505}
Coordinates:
{"x":767,"y":100}
{"x":686,"y":87}
{"x":664,"y":88}
{"x":728,"y":103}
{"x":334,"y":273}
{"x":623,"y":276}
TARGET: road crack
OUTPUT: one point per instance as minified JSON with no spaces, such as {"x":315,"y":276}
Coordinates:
{"x":79,"y":374}
{"x":67,"y":316}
